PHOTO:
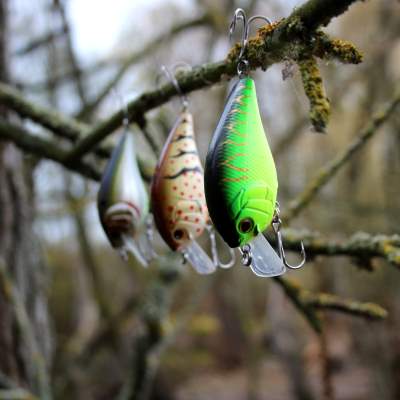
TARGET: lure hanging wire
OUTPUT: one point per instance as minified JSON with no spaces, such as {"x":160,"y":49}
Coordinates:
{"x":177,"y":193}
{"x":123,"y":201}
{"x":240,"y":176}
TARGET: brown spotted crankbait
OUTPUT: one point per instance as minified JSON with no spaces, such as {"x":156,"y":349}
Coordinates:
{"x":177,"y":194}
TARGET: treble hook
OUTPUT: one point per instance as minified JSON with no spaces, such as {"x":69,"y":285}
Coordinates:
{"x":214,"y":250}
{"x":241,"y":15}
{"x":276,"y":225}
{"x":174,"y":81}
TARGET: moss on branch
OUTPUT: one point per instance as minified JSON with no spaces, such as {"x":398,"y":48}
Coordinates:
{"x":326,"y":301}
{"x":315,"y":91}
{"x":336,"y":49}
{"x":361,"y":245}
{"x":308,"y":303}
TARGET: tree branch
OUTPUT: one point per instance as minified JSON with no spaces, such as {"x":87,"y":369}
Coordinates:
{"x":40,"y":41}
{"x":23,"y":323}
{"x":54,"y":121}
{"x":293,"y":292}
{"x":138,"y":56}
{"x":360,"y":245}
{"x":273,"y":44}
{"x":326,"y":173}
{"x":308,"y":302}
{"x":65,"y":76}
{"x":44,"y":148}
{"x":282,"y":40}
{"x":330,"y":302}
{"x":73,"y":60}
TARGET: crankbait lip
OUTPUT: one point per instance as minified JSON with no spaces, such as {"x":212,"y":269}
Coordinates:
{"x":121,"y":217}
{"x":122,"y":207}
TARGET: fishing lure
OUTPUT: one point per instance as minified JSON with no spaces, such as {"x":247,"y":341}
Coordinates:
{"x":240,"y":176}
{"x":122,"y":199}
{"x":177,"y":192}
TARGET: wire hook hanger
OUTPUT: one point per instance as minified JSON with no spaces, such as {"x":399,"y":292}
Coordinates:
{"x":276,"y":225}
{"x":243,"y":64}
{"x":123,"y":105}
{"x":172,"y":78}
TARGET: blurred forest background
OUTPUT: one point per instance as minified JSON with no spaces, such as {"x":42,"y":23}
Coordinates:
{"x":76,"y":322}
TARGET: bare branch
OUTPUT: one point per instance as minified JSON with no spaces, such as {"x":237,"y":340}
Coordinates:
{"x":326,"y":173}
{"x":44,"y":148}
{"x":41,"y":41}
{"x":308,"y":302}
{"x":293,"y":292}
{"x":330,"y":302}
{"x":73,"y":60}
{"x":53,"y":120}
{"x":138,"y":56}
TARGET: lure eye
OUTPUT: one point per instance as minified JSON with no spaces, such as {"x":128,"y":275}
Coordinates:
{"x":178,"y":234}
{"x":246,"y":225}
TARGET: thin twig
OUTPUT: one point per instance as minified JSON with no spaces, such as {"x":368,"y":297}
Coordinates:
{"x":308,"y":302}
{"x":139,"y":55}
{"x":39,"y":42}
{"x":73,"y":60}
{"x":326,"y":173}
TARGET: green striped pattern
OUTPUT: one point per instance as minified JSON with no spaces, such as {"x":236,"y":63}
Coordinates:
{"x":244,"y":175}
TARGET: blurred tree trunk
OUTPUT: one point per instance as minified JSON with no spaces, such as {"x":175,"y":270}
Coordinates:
{"x":23,"y":269}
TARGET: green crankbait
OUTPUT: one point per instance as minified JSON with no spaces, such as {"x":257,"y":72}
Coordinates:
{"x":240,"y":169}
{"x":240,"y":176}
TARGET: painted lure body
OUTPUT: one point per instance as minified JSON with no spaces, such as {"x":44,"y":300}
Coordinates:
{"x":240,"y":179}
{"x":122,"y":199}
{"x":177,"y":194}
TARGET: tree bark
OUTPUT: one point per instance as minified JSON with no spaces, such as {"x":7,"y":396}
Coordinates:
{"x":23,"y":274}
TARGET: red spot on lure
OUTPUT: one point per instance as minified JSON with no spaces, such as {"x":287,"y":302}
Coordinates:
{"x":171,"y":200}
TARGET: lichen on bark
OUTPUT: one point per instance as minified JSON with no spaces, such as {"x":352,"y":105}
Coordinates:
{"x":315,"y":91}
{"x":338,"y":49}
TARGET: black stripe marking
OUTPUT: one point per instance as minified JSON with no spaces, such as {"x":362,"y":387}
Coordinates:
{"x":182,"y":171}
{"x":184,"y":152}
{"x":182,"y":137}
